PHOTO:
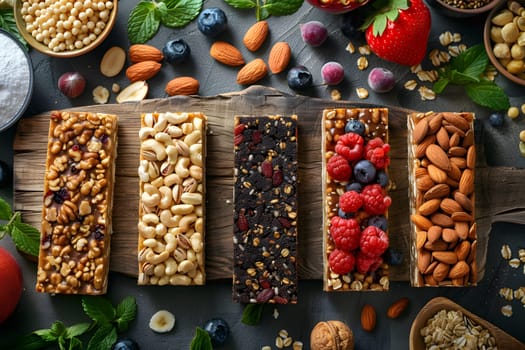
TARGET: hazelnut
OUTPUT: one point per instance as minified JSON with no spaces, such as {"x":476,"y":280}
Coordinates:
{"x":331,"y":335}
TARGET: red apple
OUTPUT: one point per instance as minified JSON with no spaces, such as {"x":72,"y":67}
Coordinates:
{"x":10,"y":284}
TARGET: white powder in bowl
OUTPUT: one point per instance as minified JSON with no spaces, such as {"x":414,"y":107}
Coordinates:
{"x":15,"y":79}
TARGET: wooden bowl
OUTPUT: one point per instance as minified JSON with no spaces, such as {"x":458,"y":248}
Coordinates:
{"x":503,"y":340}
{"x":456,"y":12}
{"x":489,"y":45}
{"x":21,"y":24}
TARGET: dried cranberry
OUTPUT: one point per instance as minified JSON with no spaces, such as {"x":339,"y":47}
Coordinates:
{"x":239,"y":128}
{"x":267,"y":168}
{"x":285,"y":222}
{"x":265,"y":295}
{"x":242,"y":222}
{"x":280,"y":300}
{"x":238,"y":139}
{"x":264,"y":284}
{"x":277,"y":178}
{"x":75,"y":147}
{"x":256,"y":137}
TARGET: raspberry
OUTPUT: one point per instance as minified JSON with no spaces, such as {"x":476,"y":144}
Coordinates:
{"x":350,"y":146}
{"x":374,"y":241}
{"x":350,"y":201}
{"x":374,"y":201}
{"x":341,"y":262}
{"x":366,"y":264}
{"x":338,"y":168}
{"x":346,"y":233}
{"x":377,"y":152}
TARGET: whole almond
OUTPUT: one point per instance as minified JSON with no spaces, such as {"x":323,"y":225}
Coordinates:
{"x":457,"y":120}
{"x":144,"y":52}
{"x":442,"y":138}
{"x":437,"y":191}
{"x":438,"y":245}
{"x":457,"y":151}
{"x":446,"y":257}
{"x":429,"y":207}
{"x":461,"y":229}
{"x":255,"y":35}
{"x":436,"y":174}
{"x":461,"y":216}
{"x":438,"y":157}
{"x":455,"y":172}
{"x":396,"y":309}
{"x":441,"y":271}
{"x":142,"y":70}
{"x":462,"y":250}
{"x":421,"y":222}
{"x":421,"y":237}
{"x":423,"y":260}
{"x":449,"y":235}
{"x":463,"y":200}
{"x":468,"y":139}
{"x":420,"y":131}
{"x":279,"y":57}
{"x":226,"y":53}
{"x":449,"y":206}
{"x":182,"y":86}
{"x":454,"y":140}
{"x":434,"y":123}
{"x":420,"y":172}
{"x":424,"y":183}
{"x":434,"y":233}
{"x":471,"y":157}
{"x":252,"y":72}
{"x":460,"y":269}
{"x":431,"y":267}
{"x":422,"y":146}
{"x":451,"y":129}
{"x":368,"y":318}
{"x":460,"y":162}
{"x":429,"y":280}
{"x":466,"y":183}
{"x":442,"y":220}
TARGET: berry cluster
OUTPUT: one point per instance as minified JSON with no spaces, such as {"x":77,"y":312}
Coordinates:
{"x":359,"y":229}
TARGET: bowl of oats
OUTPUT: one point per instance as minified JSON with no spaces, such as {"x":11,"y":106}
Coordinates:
{"x":16,"y":80}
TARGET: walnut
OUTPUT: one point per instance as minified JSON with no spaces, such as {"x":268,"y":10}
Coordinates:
{"x":331,"y":335}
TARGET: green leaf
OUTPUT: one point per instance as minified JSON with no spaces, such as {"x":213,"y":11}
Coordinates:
{"x":76,"y":330}
{"x":126,"y":312}
{"x":252,"y":314}
{"x":103,"y":339}
{"x":385,"y":10}
{"x":440,"y":85}
{"x":241,"y":4}
{"x":201,"y":340}
{"x":472,"y":61}
{"x":46,"y":335}
{"x":26,"y":238}
{"x":460,"y":78}
{"x":488,"y":94}
{"x":5,"y":210}
{"x":282,"y":8}
{"x":30,"y":341}
{"x":143,"y":22}
{"x":180,"y":12}
{"x":62,"y":343}
{"x":75,"y":343}
{"x":7,"y":22}
{"x":99,"y":309}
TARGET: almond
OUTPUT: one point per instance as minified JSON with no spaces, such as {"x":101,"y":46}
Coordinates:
{"x":420,"y":221}
{"x":463,"y":200}
{"x":446,"y":257}
{"x":461,"y":229}
{"x":279,"y":57}
{"x":368,"y":318}
{"x":466,"y":183}
{"x":142,"y":70}
{"x":422,"y":147}
{"x":423,"y":260}
{"x":449,"y":235}
{"x":429,"y":280}
{"x":434,"y":123}
{"x":442,"y":220}
{"x":143,"y":52}
{"x":462,"y":250}
{"x":438,"y":157}
{"x":226,"y":53}
{"x":434,"y":233}
{"x":429,"y":207}
{"x":437,"y":191}
{"x":397,"y":308}
{"x":424,"y":183}
{"x":442,"y":138}
{"x":461,"y":216}
{"x":255,"y":35}
{"x":113,"y":61}
{"x":471,"y":157}
{"x":420,"y":172}
{"x":451,"y":129}
{"x":436,"y":174}
{"x":438,"y":245}
{"x":454,"y":173}
{"x":182,"y":86}
{"x":460,"y":269}
{"x":468,"y":140}
{"x":457,"y":151}
{"x":458,"y":120}
{"x":421,"y":237}
{"x":441,"y":271}
{"x":420,"y":131}
{"x":252,"y":72}
{"x":460,"y":162}
{"x":449,"y":206}
{"x":454,"y":140}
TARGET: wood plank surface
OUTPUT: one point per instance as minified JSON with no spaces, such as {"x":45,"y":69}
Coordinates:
{"x":499,"y":191}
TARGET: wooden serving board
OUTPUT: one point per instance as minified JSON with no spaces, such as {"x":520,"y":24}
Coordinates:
{"x":499,"y":190}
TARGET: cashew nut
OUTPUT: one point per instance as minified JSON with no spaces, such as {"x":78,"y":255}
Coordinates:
{"x":150,"y":243}
{"x":145,"y":230}
{"x":171,"y":242}
{"x":164,"y":137}
{"x":171,"y":266}
{"x":180,"y":280}
{"x":196,"y":154}
{"x":186,"y":221}
{"x":165,"y":197}
{"x":161,"y":123}
{"x":153,"y":258}
{"x":176,"y":118}
{"x":193,"y":198}
{"x":186,"y":266}
{"x":168,"y":219}
{"x":182,"y":209}
{"x":181,"y":168}
{"x":172,"y":153}
{"x":146,"y":132}
{"x":196,"y":172}
{"x":160,"y":230}
{"x":155,"y":147}
{"x":150,"y":219}
{"x":171,"y":180}
{"x":174,"y":131}
{"x":193,"y":137}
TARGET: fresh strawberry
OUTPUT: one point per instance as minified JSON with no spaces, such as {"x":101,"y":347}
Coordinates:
{"x":398,"y":31}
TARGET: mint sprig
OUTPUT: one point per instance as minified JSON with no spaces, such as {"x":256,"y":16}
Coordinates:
{"x":467,"y":70}
{"x":66,"y":337}
{"x":201,"y":340}
{"x":25,"y":237}
{"x":146,"y":17}
{"x":267,"y":8}
{"x":252,"y":314}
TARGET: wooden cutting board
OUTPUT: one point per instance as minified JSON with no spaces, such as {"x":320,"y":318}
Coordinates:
{"x":499,"y":191}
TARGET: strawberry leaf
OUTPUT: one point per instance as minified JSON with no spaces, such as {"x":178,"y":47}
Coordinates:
{"x":385,"y":10}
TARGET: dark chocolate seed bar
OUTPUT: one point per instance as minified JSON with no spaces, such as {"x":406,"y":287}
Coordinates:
{"x":265,"y":210}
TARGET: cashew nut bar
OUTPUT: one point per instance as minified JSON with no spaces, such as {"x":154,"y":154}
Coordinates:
{"x":442,"y":161}
{"x":355,"y":180}
{"x":78,"y":199}
{"x":172,"y":199}
{"x":265,"y":209}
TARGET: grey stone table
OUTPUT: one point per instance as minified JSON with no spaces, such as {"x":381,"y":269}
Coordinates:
{"x":194,"y":305}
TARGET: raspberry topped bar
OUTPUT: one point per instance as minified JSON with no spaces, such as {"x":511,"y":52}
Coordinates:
{"x":265,"y":210}
{"x":355,"y":197}
{"x":78,"y":200}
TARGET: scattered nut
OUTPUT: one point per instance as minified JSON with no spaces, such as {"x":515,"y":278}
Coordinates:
{"x":100,"y":95}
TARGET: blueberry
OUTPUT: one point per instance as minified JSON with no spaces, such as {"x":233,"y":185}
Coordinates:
{"x":218,"y":330}
{"x":212,"y":21}
{"x":125,"y":344}
{"x":393,"y":257}
{"x":382,"y":178}
{"x":176,"y":51}
{"x":351,"y":22}
{"x":379,"y":222}
{"x":354,"y":186}
{"x":364,"y":171}
{"x":299,"y":78}
{"x":496,"y":119}
{"x":354,"y":125}
{"x":4,"y":174}
{"x":344,"y":214}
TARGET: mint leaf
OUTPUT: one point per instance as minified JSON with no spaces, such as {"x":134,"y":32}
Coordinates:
{"x":488,"y":94}
{"x":180,"y":12}
{"x":7,"y":22}
{"x":5,"y":210}
{"x":99,"y":309}
{"x":440,"y":85}
{"x":472,"y":61}
{"x":282,"y":8}
{"x":143,"y":22}
{"x":126,"y":312}
{"x":30,"y":341}
{"x":76,"y":330}
{"x":201,"y":340}
{"x":460,"y":78}
{"x":252,"y":314}
{"x":241,"y":4}
{"x":103,"y":339}
{"x":58,"y":328}
{"x":26,"y":238}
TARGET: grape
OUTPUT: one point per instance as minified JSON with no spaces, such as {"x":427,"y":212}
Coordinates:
{"x":381,"y":80}
{"x":314,"y":33}
{"x":333,"y":73}
{"x":71,"y":84}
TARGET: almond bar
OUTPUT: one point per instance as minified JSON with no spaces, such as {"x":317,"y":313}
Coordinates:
{"x":78,"y":196}
{"x":265,"y":209}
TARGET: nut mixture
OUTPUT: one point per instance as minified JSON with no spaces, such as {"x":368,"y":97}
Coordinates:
{"x":76,"y":215}
{"x":172,"y":196}
{"x":265,"y":210}
{"x":450,"y":329}
{"x":442,"y":159}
